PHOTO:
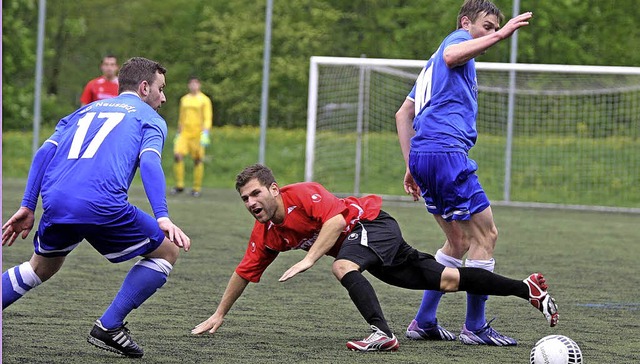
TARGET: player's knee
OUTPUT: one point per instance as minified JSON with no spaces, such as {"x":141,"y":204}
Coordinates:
{"x":341,"y":267}
{"x":177,"y":158}
{"x":167,"y":251}
{"x":44,"y":267}
{"x":486,"y":242}
{"x":493,"y":235}
{"x":450,"y":280}
{"x":456,"y":247}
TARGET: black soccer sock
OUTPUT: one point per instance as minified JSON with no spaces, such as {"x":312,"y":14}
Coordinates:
{"x":365,"y":299}
{"x":480,"y":281}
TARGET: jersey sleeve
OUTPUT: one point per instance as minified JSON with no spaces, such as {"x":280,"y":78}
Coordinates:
{"x":207,"y":112}
{"x":412,"y":94}
{"x":39,"y":165}
{"x":154,"y":134}
{"x":87,"y":96}
{"x":257,"y":257}
{"x":456,"y":38}
{"x":154,"y":183}
{"x":181,"y":114}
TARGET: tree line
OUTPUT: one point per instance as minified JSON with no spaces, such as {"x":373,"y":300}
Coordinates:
{"x":222,"y":43}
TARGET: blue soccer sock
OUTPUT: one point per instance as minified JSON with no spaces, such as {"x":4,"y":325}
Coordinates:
{"x":142,"y":281}
{"x":17,"y":281}
{"x":476,"y":303}
{"x":426,"y":315}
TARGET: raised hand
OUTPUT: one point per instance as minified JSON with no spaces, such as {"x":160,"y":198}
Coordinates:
{"x":514,"y":24}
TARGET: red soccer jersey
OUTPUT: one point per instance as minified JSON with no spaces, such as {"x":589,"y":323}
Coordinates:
{"x":308,"y":206}
{"x":98,"y":89}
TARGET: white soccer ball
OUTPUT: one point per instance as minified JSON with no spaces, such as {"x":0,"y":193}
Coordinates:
{"x":556,"y":349}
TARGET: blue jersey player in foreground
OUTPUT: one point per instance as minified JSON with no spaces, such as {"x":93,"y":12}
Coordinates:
{"x":437,"y":128}
{"x":83,"y":172}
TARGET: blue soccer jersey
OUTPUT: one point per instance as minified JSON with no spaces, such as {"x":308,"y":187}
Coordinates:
{"x":97,"y":155}
{"x":446,"y":102}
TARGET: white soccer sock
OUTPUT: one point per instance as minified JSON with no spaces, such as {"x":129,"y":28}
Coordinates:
{"x":29,"y":276}
{"x":447,"y":260}
{"x":488,"y":264}
{"x":157,"y":264}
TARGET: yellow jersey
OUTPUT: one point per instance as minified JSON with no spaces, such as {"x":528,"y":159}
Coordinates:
{"x":196,"y":114}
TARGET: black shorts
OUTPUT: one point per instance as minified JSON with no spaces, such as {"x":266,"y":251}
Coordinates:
{"x":377,"y":246}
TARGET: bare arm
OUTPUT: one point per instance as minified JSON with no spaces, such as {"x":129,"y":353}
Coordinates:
{"x":234,"y":290}
{"x":461,"y":53}
{"x":404,"y":124}
{"x":327,"y":238}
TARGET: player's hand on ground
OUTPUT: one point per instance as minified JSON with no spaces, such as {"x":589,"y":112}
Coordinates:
{"x":410,"y":186}
{"x":211,"y":324}
{"x":174,"y":233}
{"x":299,"y":267}
{"x":514,"y":24}
{"x":21,"y":222}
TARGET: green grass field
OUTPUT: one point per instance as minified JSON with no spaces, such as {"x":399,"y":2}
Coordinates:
{"x":589,"y":259}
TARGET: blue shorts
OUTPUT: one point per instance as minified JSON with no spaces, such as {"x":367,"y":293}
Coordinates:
{"x":135,"y":233}
{"x":449,"y":184}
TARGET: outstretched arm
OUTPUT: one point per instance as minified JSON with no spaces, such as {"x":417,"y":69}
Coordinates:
{"x":22,"y":221}
{"x":154,"y":185}
{"x":461,"y":53}
{"x":327,"y":238}
{"x":234,"y":290}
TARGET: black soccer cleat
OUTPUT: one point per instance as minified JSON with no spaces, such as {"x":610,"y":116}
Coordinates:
{"x":176,"y":190}
{"x":116,"y":340}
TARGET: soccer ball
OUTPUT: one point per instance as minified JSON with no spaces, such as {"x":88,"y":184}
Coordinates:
{"x":556,"y":349}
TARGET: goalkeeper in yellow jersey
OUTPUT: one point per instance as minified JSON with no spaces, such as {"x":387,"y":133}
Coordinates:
{"x":194,"y":124}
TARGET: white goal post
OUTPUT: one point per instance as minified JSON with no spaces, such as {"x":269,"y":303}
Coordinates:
{"x":548,"y":135}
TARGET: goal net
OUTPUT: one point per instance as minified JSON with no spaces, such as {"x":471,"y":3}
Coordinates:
{"x":547,"y":134}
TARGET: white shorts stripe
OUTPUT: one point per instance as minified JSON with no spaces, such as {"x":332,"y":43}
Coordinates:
{"x":40,"y":249}
{"x":364,"y":239}
{"x":128,"y":250}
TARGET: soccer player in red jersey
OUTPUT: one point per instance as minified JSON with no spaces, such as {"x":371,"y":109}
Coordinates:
{"x":105,"y":86}
{"x":360,"y":236}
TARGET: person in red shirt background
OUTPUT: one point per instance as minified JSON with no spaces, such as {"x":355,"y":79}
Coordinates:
{"x":360,"y":236}
{"x":105,"y":86}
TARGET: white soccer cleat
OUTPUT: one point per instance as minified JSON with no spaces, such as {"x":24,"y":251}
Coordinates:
{"x":541,"y":299}
{"x":377,"y":341}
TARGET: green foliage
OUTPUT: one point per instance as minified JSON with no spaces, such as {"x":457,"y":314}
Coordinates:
{"x":222,"y":42}
{"x":234,"y":40}
{"x":18,"y":62}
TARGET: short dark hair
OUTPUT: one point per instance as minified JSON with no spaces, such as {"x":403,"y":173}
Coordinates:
{"x":191,"y":78}
{"x":109,"y":55}
{"x":258,"y":171}
{"x":136,"y":70}
{"x":473,"y":8}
